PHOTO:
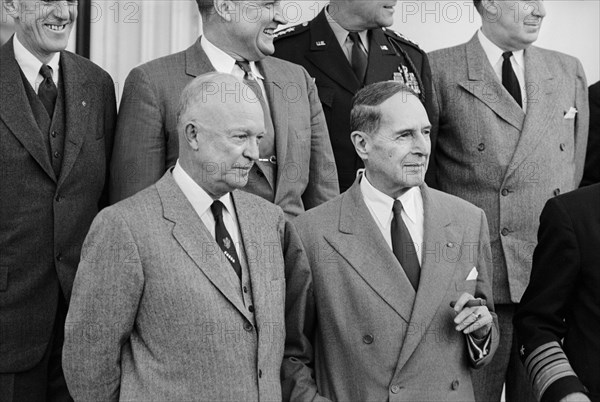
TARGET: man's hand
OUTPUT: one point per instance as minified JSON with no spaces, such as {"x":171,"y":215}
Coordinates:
{"x":472,"y":320}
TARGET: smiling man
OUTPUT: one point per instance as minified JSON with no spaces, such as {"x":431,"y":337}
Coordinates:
{"x":346,"y":47}
{"x":513,"y":130}
{"x":57,"y":118}
{"x":180,"y":292}
{"x":371,"y":274}
{"x":295,"y":170}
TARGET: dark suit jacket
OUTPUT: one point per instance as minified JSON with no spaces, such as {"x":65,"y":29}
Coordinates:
{"x":315,"y":47}
{"x":507,"y":162}
{"x":356,"y":328}
{"x":561,"y":305}
{"x":591,"y":173}
{"x":44,"y":219}
{"x":146,"y":142}
{"x":171,"y":325}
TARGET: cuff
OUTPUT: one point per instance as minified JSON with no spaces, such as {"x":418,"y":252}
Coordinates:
{"x":478,"y":348}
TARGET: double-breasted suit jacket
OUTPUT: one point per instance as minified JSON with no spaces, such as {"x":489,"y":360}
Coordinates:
{"x":155,"y":315}
{"x":356,"y":328}
{"x":146,"y":142}
{"x":491,"y":153}
{"x":44,"y":217}
{"x":314,"y":46}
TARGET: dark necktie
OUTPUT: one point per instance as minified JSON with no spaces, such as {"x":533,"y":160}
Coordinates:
{"x":359,"y":57}
{"x":404,"y":247}
{"x":509,"y":78}
{"x":47,"y":91}
{"x":267,"y":144}
{"x":224,"y":239}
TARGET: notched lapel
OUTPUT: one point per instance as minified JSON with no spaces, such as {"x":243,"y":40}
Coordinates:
{"x":195,"y":239}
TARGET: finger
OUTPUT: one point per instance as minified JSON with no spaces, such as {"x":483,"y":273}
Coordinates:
{"x":460,"y":303}
{"x":468,"y":320}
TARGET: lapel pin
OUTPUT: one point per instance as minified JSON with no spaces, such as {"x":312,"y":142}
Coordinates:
{"x":83,"y":103}
{"x":320,"y":43}
{"x":384,"y":47}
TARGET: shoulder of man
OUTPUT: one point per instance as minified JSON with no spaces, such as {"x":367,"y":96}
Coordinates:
{"x":400,"y":39}
{"x":93,"y":71}
{"x":292,"y":32}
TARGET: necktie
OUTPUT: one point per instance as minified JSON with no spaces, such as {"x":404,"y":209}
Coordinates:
{"x":47,"y":91}
{"x":267,"y":144}
{"x":359,"y":57}
{"x":403,"y":246}
{"x":224,"y":239}
{"x":509,"y":78}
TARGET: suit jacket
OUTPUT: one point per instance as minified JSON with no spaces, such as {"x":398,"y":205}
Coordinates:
{"x":560,"y":310}
{"x":591,"y":173}
{"x":314,"y":46}
{"x":44,"y":218}
{"x":356,"y":328}
{"x":146,"y":141}
{"x":167,"y":323}
{"x":492,"y":154}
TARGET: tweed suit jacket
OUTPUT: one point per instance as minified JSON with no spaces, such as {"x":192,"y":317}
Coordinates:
{"x":356,"y":328}
{"x":44,"y":218}
{"x":507,"y":162}
{"x":146,"y":142}
{"x":165,"y":320}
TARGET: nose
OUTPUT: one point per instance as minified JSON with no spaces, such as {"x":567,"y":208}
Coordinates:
{"x":60,"y":9}
{"x":539,"y":9}
{"x":251,"y":151}
{"x":278,"y":15}
{"x":421,"y":145}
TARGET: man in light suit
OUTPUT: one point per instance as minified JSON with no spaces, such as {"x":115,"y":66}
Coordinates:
{"x":512,"y":134}
{"x":180,"y":292}
{"x":57,"y":118}
{"x":295,"y":170}
{"x":368,"y":314}
{"x":324,"y":46}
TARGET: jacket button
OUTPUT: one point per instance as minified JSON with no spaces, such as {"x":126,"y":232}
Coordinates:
{"x":57,"y":154}
{"x":481,"y":147}
{"x":251,"y":308}
{"x":54,"y":134}
{"x":556,"y":191}
{"x":368,"y":339}
{"x":248,"y":327}
{"x":259,"y":373}
{"x":562,"y":146}
{"x":505,"y":192}
{"x":59,"y":257}
{"x":505,"y":232}
{"x":245,"y":288}
{"x":395,"y":389}
{"x":455,"y":385}
{"x":59,"y":198}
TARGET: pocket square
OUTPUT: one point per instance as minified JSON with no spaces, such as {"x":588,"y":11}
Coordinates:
{"x":473,"y":274}
{"x":570,"y":115}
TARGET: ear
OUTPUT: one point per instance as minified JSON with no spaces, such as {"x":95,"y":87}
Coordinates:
{"x":225,"y":8}
{"x":190,"y":132}
{"x":11,"y":7}
{"x":360,"y":140}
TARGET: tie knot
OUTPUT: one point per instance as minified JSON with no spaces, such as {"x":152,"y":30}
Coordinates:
{"x":355,"y":37}
{"x":506,"y":55}
{"x":245,"y":66}
{"x":46,"y":71}
{"x":217,"y":209}
{"x":397,"y":208}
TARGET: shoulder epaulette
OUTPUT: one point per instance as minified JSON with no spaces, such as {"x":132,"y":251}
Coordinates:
{"x":398,"y":35}
{"x":291,"y":31}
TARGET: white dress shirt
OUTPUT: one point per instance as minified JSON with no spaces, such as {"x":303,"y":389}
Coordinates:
{"x":30,"y":65}
{"x":341,"y":34}
{"x":517,"y":61}
{"x":380,"y":206}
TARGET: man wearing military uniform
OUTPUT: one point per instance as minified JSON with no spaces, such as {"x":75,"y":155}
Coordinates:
{"x":345,"y":48}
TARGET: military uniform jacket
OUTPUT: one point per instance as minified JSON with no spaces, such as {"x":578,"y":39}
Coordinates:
{"x":314,"y":46}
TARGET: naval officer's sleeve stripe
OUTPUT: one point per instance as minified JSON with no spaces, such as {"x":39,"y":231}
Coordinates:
{"x":546,"y":364}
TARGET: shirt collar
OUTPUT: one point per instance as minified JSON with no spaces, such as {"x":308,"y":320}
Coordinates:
{"x":341,"y":34}
{"x":195,"y":194}
{"x":30,"y":65}
{"x":382,"y":203}
{"x":223,"y":62}
{"x":494,"y":53}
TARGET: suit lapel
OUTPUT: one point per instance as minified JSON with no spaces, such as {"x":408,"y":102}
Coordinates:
{"x":483,"y":83}
{"x":79,"y":97}
{"x":440,"y":234}
{"x":360,"y":242}
{"x":327,"y":55}
{"x":16,"y":113}
{"x":196,"y":240}
{"x":541,"y":105}
{"x":278,"y":103}
{"x":196,"y":61}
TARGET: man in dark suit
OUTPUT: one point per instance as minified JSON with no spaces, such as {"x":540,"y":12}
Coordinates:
{"x":372,"y":275}
{"x":558,"y":320}
{"x":189,"y":304}
{"x":591,"y":173}
{"x":57,"y":116}
{"x":512,"y":133}
{"x":326,"y":47}
{"x":296,"y":169}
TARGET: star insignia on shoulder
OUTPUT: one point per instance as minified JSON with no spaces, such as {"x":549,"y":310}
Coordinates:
{"x":227,"y":242}
{"x":522,"y":350}
{"x":391,"y":32}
